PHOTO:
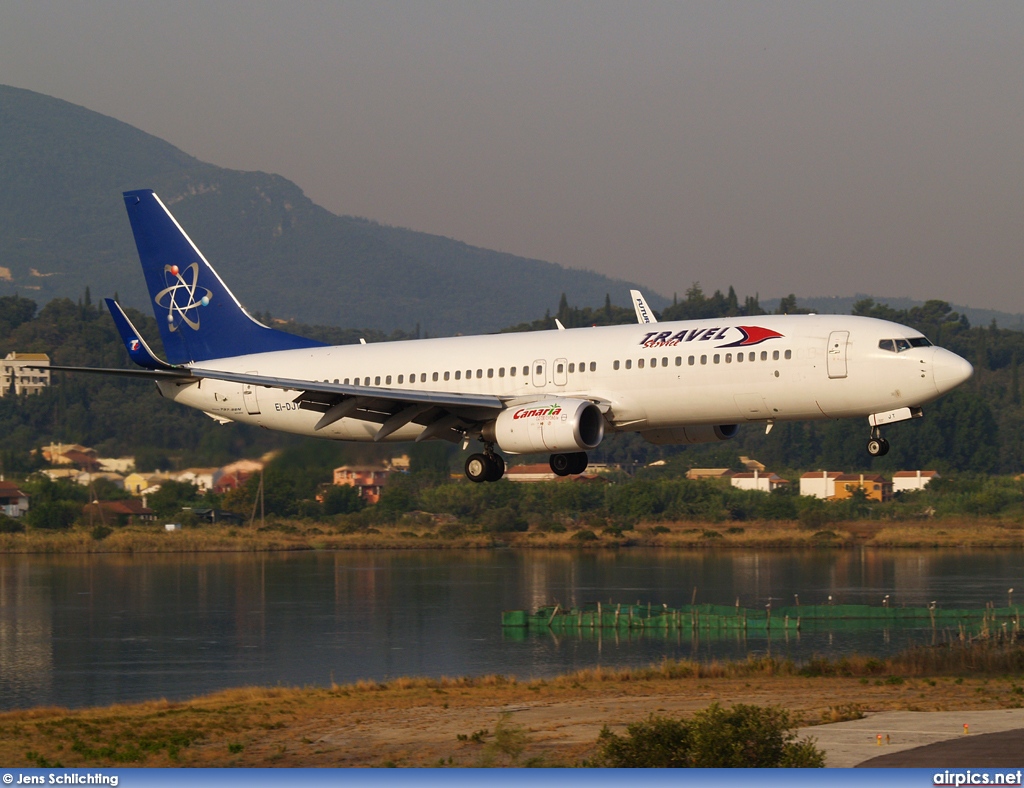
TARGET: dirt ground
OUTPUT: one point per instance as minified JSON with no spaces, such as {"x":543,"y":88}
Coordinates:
{"x":418,"y":722}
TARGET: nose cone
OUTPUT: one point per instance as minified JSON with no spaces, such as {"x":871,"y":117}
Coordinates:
{"x":950,"y":370}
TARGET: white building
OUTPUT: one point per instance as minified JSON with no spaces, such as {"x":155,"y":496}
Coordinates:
{"x":200,"y":477}
{"x":13,"y":502}
{"x":13,"y":373}
{"x":903,"y":481}
{"x":756,"y":480}
{"x":819,"y":484}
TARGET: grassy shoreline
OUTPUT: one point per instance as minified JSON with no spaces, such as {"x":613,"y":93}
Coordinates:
{"x":288,"y":535}
{"x":449,"y":721}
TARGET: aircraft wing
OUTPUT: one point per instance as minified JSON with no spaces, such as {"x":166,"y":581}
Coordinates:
{"x":441,"y":412}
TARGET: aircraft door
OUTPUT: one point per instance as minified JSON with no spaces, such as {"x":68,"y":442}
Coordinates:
{"x":540,"y":378}
{"x":252,"y":405}
{"x":559,"y":372}
{"x":836,"y":353}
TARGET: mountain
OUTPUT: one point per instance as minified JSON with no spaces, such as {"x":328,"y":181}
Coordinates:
{"x":63,"y":227}
{"x":842,"y":305}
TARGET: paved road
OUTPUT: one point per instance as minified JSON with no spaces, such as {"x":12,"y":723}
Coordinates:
{"x":995,"y":739}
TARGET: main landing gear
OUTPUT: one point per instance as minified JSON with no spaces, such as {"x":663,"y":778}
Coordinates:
{"x":568,"y":464}
{"x":486,"y":467}
{"x":877,"y":445}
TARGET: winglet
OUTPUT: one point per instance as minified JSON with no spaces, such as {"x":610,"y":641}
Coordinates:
{"x":136,"y":346}
{"x":644,"y":314}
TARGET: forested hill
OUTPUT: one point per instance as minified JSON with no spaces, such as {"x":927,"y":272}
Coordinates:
{"x":63,"y":227}
{"x":977,"y":428}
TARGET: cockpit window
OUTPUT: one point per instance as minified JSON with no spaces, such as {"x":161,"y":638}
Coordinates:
{"x":899,"y":345}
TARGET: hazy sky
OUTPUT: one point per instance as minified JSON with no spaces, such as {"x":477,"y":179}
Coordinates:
{"x":818,"y":148}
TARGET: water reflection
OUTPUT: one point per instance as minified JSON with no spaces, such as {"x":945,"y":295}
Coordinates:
{"x":82,"y":630}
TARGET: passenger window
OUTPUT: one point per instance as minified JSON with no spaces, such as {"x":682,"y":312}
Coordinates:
{"x":559,"y":368}
{"x":469,"y":374}
{"x":447,"y":375}
{"x":717,"y":358}
{"x":751,"y":356}
{"x":355,"y":382}
{"x":728,"y":358}
{"x":775,"y":355}
{"x":479,"y":373}
{"x":335,"y":380}
{"x":640,"y":363}
{"x":401,"y":379}
{"x":346,"y":381}
{"x":490,"y":373}
{"x":629,"y":363}
{"x":739,"y":358}
{"x":703,"y":359}
{"x":423,"y":377}
{"x":512,"y":371}
{"x":690,"y":360}
{"x":387,"y":380}
{"x":434,"y":377}
{"x":376,"y":381}
{"x":526,"y":370}
{"x":572,"y":367}
{"x":367,"y":382}
{"x":458,"y":374}
{"x":764,"y":355}
{"x":789,"y":354}
{"x":679,"y":361}
{"x":615,"y":364}
{"x":664,"y":361}
{"x":593,"y":366}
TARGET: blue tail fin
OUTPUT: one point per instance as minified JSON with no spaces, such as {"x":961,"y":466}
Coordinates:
{"x":199,"y":318}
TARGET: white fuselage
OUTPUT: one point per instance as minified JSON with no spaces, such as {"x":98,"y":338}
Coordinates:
{"x":647,"y":377}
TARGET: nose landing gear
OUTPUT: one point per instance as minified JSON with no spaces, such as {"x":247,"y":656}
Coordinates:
{"x":877,"y":445}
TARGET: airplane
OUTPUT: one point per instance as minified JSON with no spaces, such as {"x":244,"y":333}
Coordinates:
{"x":554,"y":392}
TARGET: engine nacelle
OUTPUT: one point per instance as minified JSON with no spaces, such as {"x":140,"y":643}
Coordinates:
{"x":549,"y":425}
{"x":697,"y":433}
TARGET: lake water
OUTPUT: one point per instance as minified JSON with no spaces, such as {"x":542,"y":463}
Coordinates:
{"x":86,"y":630}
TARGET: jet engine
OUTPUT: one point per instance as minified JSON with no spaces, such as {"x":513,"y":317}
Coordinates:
{"x":697,"y":433}
{"x":549,"y":425}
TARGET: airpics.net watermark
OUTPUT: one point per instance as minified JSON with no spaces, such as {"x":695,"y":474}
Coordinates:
{"x":64,"y":778}
{"x":974,"y":777}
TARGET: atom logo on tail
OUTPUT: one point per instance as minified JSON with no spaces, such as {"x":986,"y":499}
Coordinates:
{"x":168,"y":298}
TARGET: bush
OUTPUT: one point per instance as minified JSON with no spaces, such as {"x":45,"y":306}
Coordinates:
{"x":101,"y":532}
{"x":8,"y":525}
{"x":742,"y":736}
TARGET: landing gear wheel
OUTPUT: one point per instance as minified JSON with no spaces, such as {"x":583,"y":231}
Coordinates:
{"x":561,"y":464}
{"x":568,"y":464}
{"x":496,"y":467}
{"x":477,"y":467}
{"x":878,"y":447}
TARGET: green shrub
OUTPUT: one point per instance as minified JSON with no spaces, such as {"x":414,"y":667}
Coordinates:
{"x":8,"y":525}
{"x":101,"y":532}
{"x":742,"y":736}
{"x":585,"y":535}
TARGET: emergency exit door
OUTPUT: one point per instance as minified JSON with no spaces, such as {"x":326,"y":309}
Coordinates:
{"x":836,"y":353}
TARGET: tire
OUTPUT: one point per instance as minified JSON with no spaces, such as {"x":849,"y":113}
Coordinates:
{"x":561,"y":464}
{"x":496,"y":467}
{"x":580,"y":462}
{"x":885,"y":447}
{"x":477,"y":468}
{"x":876,"y":447}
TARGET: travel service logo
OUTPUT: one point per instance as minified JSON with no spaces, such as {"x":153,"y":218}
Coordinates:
{"x":749,"y":335}
{"x":182,"y":289}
